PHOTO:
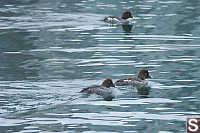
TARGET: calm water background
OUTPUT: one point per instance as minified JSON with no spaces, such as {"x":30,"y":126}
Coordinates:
{"x":51,"y":49}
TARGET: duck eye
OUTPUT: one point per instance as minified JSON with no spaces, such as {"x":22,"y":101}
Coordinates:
{"x":145,"y":73}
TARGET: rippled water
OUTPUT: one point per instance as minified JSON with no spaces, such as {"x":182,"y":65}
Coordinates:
{"x":50,"y":50}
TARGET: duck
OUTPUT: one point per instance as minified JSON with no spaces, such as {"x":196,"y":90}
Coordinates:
{"x":123,"y":19}
{"x":103,"y":90}
{"x":138,"y":81}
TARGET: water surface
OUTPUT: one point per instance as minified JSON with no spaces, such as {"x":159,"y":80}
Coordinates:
{"x":50,"y":50}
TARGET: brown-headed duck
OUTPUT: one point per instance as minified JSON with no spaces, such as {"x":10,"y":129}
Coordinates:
{"x":138,"y":81}
{"x":103,"y":89}
{"x":123,"y":19}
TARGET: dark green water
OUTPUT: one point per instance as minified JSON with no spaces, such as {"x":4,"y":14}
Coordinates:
{"x":51,"y":49}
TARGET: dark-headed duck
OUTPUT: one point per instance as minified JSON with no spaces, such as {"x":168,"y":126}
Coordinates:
{"x":138,"y":81}
{"x":125,"y":16}
{"x":103,"y":89}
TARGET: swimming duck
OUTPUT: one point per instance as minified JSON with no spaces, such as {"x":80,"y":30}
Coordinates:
{"x":138,"y":81}
{"x":123,"y":19}
{"x":103,"y":89}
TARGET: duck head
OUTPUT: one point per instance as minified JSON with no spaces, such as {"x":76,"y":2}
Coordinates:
{"x":108,"y":83}
{"x":143,"y":74}
{"x":126,"y":15}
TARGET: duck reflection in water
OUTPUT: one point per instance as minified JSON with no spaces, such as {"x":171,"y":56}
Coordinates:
{"x":127,"y":28}
{"x":143,"y":91}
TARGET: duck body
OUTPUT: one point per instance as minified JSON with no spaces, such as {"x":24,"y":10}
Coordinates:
{"x":112,"y":19}
{"x":133,"y":81}
{"x":138,"y":81}
{"x":103,"y":90}
{"x":97,"y":89}
{"x":126,"y":18}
